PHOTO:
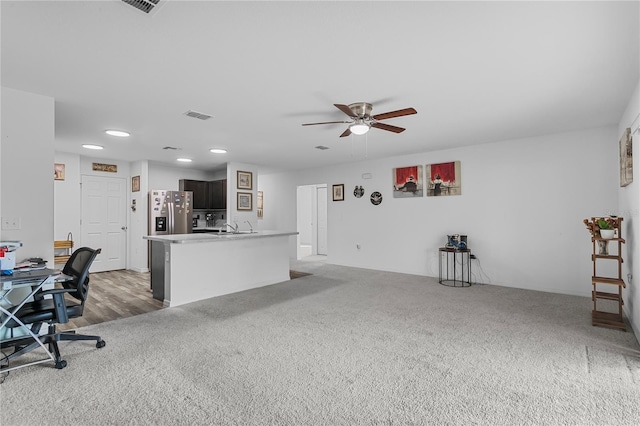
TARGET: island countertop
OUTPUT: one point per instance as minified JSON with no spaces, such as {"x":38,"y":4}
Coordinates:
{"x":190,"y":267}
{"x":214,"y":237}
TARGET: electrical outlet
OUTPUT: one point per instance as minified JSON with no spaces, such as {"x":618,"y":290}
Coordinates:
{"x":11,"y":223}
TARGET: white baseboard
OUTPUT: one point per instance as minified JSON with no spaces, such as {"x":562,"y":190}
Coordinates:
{"x":304,"y":251}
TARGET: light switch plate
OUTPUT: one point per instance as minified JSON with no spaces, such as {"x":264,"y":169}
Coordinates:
{"x":10,"y":223}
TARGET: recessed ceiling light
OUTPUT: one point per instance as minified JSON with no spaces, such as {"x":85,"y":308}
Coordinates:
{"x":218,"y":150}
{"x":118,"y":133}
{"x":92,"y":146}
{"x":184,"y":160}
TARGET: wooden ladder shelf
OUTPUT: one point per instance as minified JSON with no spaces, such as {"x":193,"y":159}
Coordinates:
{"x":601,"y":248}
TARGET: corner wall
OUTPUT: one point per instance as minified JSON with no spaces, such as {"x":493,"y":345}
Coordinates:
{"x":629,"y":208}
{"x":522,"y":206}
{"x":27,"y":171}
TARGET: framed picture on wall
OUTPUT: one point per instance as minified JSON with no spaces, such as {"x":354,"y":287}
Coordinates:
{"x":626,"y":158}
{"x":338,"y":192}
{"x":260,"y":207}
{"x":58,"y":171}
{"x":407,"y":182}
{"x":135,"y":184}
{"x":443,"y":179}
{"x":245,"y":180}
{"x":245,"y":201}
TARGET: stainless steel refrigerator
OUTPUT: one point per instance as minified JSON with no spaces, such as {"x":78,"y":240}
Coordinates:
{"x":170,"y":212}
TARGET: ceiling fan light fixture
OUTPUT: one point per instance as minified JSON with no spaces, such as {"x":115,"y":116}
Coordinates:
{"x":359,"y":128}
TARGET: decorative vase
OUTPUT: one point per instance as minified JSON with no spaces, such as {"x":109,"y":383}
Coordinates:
{"x":603,"y":247}
{"x":607,"y":233}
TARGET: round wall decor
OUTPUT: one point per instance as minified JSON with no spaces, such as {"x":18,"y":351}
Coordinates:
{"x":358,"y":192}
{"x":376,"y":198}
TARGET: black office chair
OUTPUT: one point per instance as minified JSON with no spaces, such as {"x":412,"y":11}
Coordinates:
{"x":58,"y":310}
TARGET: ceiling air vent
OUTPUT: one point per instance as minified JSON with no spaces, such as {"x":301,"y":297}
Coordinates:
{"x":171,"y":148}
{"x":322,"y":147}
{"x":198,"y":115}
{"x":144,"y":5}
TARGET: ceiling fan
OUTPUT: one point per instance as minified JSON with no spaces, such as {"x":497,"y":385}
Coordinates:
{"x":362,"y":120}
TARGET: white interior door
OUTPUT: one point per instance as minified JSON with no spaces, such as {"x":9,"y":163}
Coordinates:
{"x":104,"y":220}
{"x":321,"y":221}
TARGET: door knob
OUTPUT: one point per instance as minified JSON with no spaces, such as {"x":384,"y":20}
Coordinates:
{"x":124,"y":228}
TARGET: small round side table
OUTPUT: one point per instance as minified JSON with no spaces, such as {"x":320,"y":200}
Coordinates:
{"x":455,"y":267}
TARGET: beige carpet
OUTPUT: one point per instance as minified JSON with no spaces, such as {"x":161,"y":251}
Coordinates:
{"x":343,"y":346}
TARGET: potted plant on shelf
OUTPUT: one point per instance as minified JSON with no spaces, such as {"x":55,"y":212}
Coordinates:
{"x":602,"y":229}
{"x":607,"y":229}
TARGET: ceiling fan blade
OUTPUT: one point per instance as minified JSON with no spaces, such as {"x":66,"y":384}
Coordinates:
{"x":346,"y":110}
{"x":388,"y":127}
{"x":393,"y":114}
{"x":346,"y":133}
{"x":326,"y":122}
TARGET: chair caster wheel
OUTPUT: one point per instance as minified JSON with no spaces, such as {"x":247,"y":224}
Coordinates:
{"x":60,"y":365}
{"x":101,"y":344}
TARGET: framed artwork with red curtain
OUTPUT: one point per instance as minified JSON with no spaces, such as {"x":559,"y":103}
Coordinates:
{"x":444,"y":179}
{"x":408,"y":182}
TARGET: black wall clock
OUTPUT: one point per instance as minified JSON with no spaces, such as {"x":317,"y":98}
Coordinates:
{"x":376,"y":198}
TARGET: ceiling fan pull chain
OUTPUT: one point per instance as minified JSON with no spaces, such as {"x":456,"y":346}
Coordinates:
{"x":353,"y":151}
{"x":366,"y":145}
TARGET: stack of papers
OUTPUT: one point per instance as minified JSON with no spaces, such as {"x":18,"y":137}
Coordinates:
{"x":28,"y":265}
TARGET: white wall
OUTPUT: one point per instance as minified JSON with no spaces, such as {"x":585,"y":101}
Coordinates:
{"x":138,"y":219}
{"x":27,"y":171}
{"x":240,"y":216}
{"x":67,"y":199}
{"x":305,"y":196}
{"x":279,"y":203}
{"x":629,"y":208}
{"x":522,"y":207}
{"x":163,"y":177}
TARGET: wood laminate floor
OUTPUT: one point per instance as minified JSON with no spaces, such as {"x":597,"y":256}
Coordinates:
{"x":121,"y":294}
{"x":113,"y":295}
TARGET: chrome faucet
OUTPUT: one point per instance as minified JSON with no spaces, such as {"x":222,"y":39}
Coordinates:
{"x":250,"y":226}
{"x":235,"y":229}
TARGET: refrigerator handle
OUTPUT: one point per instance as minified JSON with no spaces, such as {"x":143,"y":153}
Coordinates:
{"x":170,"y":221}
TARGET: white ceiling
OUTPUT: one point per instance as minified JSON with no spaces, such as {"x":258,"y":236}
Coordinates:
{"x":476,"y":72}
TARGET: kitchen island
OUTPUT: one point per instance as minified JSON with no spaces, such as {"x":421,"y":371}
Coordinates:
{"x":190,"y":267}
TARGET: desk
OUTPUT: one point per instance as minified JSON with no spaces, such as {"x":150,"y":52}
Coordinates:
{"x":449,"y":258}
{"x":35,"y":280}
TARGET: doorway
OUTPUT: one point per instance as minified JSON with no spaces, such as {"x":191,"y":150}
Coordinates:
{"x":312,"y":220}
{"x":104,"y":220}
